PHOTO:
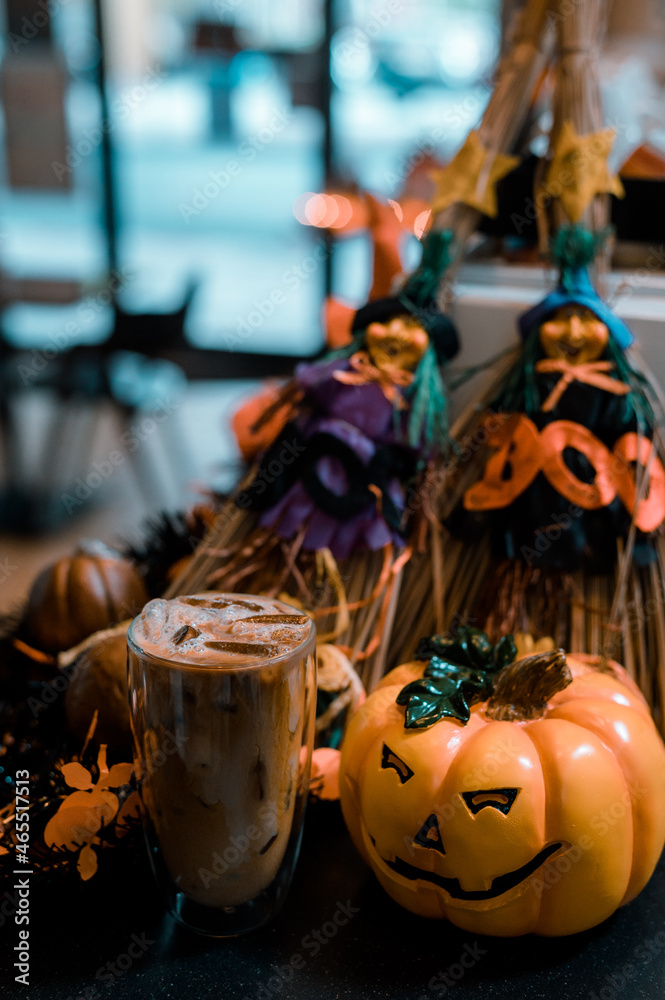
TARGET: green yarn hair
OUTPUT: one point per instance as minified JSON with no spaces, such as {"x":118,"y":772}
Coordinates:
{"x":422,"y":285}
{"x":427,"y":425}
{"x":575,"y":246}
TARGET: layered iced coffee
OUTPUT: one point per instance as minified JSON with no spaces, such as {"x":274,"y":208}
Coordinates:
{"x":222,"y":695}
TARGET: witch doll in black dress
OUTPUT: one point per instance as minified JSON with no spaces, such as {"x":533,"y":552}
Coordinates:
{"x":568,"y":491}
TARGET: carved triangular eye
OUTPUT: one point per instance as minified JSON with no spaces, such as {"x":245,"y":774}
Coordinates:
{"x":390,"y":759}
{"x":498,"y":798}
{"x":429,"y":835}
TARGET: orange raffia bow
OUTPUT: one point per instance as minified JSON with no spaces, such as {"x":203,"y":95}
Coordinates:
{"x":390,"y":377}
{"x":592,"y":373}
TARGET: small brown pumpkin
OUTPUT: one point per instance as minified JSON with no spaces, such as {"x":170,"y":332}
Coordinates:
{"x":81,"y":594}
{"x":98,"y":683}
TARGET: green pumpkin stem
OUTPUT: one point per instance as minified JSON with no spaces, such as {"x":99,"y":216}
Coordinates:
{"x":523,"y":689}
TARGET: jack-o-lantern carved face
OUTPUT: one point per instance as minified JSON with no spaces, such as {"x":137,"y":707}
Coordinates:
{"x":497,"y":824}
{"x":467,"y":845}
{"x":399,"y":343}
{"x":574,"y":334}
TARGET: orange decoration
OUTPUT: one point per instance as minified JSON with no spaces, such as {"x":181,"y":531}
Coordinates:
{"x":386,"y":229}
{"x":324,"y":779}
{"x":650,"y":511}
{"x":593,"y":373}
{"x":252,"y":440}
{"x":386,"y":224}
{"x":565,"y":434}
{"x":524,"y":452}
{"x":541,"y":817}
{"x":519,"y":453}
{"x":82,"y":814}
{"x":87,"y":863}
{"x":646,"y":163}
{"x":388,"y":378}
{"x":33,"y":654}
{"x":82,"y":594}
{"x":338,"y":323}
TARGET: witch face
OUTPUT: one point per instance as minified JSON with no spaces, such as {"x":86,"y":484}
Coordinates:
{"x":398,"y":343}
{"x":574,"y":334}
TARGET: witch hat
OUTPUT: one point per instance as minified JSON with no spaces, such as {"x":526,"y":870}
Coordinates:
{"x":417,"y":298}
{"x":573,"y":249}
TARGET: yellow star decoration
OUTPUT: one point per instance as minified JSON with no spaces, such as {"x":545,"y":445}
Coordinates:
{"x":471,"y":177}
{"x":578,"y":171}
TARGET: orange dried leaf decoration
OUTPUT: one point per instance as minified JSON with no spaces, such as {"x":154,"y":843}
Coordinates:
{"x":76,"y":776}
{"x":71,"y":828}
{"x":87,"y":863}
{"x":82,"y":814}
{"x":79,"y":819}
{"x":120,"y":774}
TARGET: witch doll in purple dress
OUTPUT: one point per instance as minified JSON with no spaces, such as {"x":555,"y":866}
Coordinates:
{"x":323,"y":517}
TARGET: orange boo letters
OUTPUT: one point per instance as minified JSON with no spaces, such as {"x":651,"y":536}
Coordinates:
{"x":523,"y":452}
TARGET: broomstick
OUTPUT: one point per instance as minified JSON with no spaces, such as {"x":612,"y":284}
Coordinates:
{"x":433,"y":569}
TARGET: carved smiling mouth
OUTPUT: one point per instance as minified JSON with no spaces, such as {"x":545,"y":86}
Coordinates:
{"x":501,"y":884}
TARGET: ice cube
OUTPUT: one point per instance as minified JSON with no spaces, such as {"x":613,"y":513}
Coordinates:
{"x":244,"y":648}
{"x":278,"y":619}
{"x":184,"y":634}
{"x":250,"y":605}
{"x":218,"y":603}
{"x":194,"y":602}
{"x":153,"y":619}
{"x":293,"y":635}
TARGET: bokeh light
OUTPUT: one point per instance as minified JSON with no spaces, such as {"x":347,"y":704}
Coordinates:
{"x":325,"y":211}
{"x":421,"y":223}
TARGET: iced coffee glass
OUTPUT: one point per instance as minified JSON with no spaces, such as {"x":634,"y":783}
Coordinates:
{"x":222,"y":692}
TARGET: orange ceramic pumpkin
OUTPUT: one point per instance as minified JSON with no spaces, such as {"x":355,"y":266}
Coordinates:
{"x":542,"y":813}
{"x":82,"y":594}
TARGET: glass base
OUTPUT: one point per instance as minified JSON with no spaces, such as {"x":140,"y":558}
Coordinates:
{"x":229,"y":921}
{"x":224,"y":921}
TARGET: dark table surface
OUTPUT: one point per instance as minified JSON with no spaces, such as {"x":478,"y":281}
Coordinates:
{"x":111,"y":938}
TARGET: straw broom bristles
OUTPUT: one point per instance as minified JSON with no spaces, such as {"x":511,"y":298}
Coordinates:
{"x":236,"y":556}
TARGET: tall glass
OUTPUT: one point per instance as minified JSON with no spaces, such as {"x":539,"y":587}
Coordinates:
{"x":222,"y":692}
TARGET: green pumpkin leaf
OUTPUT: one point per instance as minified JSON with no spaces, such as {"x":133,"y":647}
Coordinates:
{"x":444,"y":691}
{"x":461,"y":671}
{"x":505,"y":652}
{"x":469,"y":647}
